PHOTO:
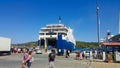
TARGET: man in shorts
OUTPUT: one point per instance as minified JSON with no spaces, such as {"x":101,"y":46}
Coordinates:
{"x":51,"y":58}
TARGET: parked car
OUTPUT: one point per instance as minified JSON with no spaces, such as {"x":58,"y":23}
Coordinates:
{"x":38,"y":51}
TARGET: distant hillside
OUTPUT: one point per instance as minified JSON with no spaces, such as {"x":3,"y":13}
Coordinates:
{"x":28,"y":44}
{"x":79,"y":44}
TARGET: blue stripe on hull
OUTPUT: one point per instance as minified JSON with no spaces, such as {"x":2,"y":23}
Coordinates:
{"x":64,"y":44}
{"x":68,"y":45}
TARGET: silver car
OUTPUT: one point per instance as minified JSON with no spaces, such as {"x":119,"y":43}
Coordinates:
{"x":38,"y":51}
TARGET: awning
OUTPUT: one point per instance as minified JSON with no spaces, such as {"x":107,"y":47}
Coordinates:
{"x":111,"y":43}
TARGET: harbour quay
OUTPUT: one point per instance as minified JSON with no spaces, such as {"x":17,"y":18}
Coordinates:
{"x":41,"y":61}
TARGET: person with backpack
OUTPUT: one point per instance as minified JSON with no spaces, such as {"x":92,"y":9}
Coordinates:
{"x":51,"y":58}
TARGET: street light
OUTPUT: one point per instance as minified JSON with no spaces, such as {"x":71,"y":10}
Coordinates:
{"x":98,"y":23}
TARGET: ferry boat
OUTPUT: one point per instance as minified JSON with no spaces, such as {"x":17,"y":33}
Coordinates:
{"x":56,"y":36}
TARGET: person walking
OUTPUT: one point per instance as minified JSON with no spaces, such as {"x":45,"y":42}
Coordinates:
{"x":67,"y":54}
{"x":25,"y":56}
{"x":29,"y":60}
{"x":51,"y":58}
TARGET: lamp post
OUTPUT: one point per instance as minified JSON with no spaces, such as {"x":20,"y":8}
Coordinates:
{"x":98,"y":23}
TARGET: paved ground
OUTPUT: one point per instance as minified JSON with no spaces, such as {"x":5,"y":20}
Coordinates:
{"x":41,"y":61}
{"x":105,"y":65}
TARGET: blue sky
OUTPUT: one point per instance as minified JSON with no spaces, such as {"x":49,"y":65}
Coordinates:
{"x":21,"y":20}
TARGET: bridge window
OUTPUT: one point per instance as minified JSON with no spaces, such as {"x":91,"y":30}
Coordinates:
{"x":41,"y":33}
{"x":51,"y":33}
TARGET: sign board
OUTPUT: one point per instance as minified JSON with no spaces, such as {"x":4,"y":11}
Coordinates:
{"x":117,"y":56}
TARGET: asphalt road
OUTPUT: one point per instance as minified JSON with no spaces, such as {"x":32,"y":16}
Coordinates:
{"x":40,"y":61}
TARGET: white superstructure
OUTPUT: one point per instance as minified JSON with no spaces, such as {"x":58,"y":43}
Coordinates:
{"x":52,"y":31}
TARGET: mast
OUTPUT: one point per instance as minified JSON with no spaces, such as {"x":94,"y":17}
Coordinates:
{"x":98,"y":23}
{"x":60,"y":20}
{"x":119,"y":24}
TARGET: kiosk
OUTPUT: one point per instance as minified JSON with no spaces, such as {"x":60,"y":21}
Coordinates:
{"x":113,"y":50}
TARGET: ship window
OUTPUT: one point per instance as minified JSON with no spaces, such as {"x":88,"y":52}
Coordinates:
{"x":50,"y":33}
{"x":41,"y":33}
{"x":62,"y":34}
